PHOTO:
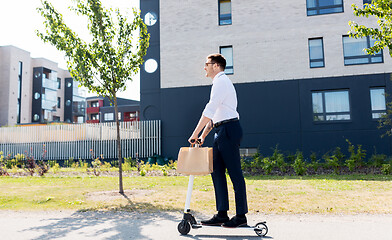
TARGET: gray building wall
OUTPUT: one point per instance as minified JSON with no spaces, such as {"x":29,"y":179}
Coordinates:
{"x":10,"y":56}
{"x":269,"y":39}
{"x":9,"y":70}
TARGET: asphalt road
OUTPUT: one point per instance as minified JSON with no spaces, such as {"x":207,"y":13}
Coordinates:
{"x":162,"y":226}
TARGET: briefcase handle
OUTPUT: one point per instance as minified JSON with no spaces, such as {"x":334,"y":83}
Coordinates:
{"x":195,"y":142}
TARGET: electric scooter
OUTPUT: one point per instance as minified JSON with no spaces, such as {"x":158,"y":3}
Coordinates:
{"x":189,"y":221}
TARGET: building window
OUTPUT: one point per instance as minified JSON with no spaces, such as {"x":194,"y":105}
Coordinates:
{"x":377,"y":98}
{"x":224,"y":12}
{"x":80,"y":119}
{"x":367,"y":1}
{"x":58,"y":83}
{"x":227,"y":52}
{"x":318,"y":7}
{"x":108,"y":116}
{"x":95,"y":116}
{"x":131,"y":116}
{"x":331,"y":105}
{"x":58,"y":102}
{"x":150,"y":18}
{"x":248,"y":152}
{"x":316,"y":52}
{"x":354,"y":53}
{"x":18,"y":110}
{"x":95,"y":104}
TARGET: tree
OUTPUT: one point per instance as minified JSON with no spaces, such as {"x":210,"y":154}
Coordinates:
{"x":382,"y":11}
{"x":108,"y":60}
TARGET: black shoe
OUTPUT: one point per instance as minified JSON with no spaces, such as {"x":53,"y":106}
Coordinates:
{"x":215,"y":221}
{"x":235,"y":222}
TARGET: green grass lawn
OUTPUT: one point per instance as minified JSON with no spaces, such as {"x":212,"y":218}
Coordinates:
{"x":266,"y":194}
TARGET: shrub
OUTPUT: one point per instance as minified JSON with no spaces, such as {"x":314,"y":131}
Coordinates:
{"x":314,"y":162}
{"x":333,"y":163}
{"x":69,"y":163}
{"x":386,"y":169}
{"x":299,"y":164}
{"x":356,"y":156}
{"x":55,"y":168}
{"x":75,"y":165}
{"x":19,"y":159}
{"x":82,"y":164}
{"x":256,"y":163}
{"x":30,"y":165}
{"x":172,"y":164}
{"x":339,"y":156}
{"x":3,"y":169}
{"x":278,"y":159}
{"x":8,"y":161}
{"x":42,"y":168}
{"x":129,"y":163}
{"x":268,"y":165}
{"x":378,"y":160}
{"x":106,"y":166}
{"x":245,"y":163}
{"x":291,"y":158}
{"x":96,"y":164}
{"x":164,"y":171}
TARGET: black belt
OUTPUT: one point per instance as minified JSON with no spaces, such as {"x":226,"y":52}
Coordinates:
{"x":225,"y":121}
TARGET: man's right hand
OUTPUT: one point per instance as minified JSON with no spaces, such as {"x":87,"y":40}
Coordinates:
{"x":192,"y":139}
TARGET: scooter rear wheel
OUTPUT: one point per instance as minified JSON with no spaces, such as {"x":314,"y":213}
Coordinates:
{"x":261,"y":229}
{"x":184,"y":227}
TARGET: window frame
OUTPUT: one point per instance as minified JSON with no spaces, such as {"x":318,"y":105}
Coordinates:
{"x":366,"y":56}
{"x":322,"y":49}
{"x":219,"y":14}
{"x":106,"y":117}
{"x":324,"y":114}
{"x":371,"y":104}
{"x":318,"y":8}
{"x":232,"y":57}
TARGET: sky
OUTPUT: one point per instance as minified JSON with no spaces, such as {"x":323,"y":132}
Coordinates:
{"x":19,"y":20}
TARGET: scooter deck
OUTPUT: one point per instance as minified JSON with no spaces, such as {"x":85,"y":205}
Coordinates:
{"x":199,"y":225}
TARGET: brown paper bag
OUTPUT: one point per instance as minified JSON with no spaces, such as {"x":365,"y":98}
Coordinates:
{"x":195,"y":161}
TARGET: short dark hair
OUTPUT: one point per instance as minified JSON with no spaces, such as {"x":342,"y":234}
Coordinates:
{"x":219,"y":59}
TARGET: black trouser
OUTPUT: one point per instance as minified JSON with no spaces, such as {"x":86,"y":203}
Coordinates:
{"x":227,"y":156}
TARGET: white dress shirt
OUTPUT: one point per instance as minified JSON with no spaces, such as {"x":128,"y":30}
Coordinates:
{"x":223,"y":100}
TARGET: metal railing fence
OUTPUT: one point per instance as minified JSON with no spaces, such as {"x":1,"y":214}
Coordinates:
{"x":82,"y":141}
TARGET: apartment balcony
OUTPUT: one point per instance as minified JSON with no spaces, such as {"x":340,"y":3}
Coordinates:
{"x":92,"y":110}
{"x":48,"y":83}
{"x":93,"y":121}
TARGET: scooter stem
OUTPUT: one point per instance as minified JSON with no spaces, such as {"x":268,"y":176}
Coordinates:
{"x":189,"y":194}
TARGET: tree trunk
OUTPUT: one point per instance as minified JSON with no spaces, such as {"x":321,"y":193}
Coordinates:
{"x":121,"y":189}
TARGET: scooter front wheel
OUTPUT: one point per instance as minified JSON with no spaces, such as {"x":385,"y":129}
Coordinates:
{"x":184,"y":227}
{"x":261,"y":229}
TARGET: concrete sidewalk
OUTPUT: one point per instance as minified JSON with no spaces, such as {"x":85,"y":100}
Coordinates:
{"x":163,"y":226}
